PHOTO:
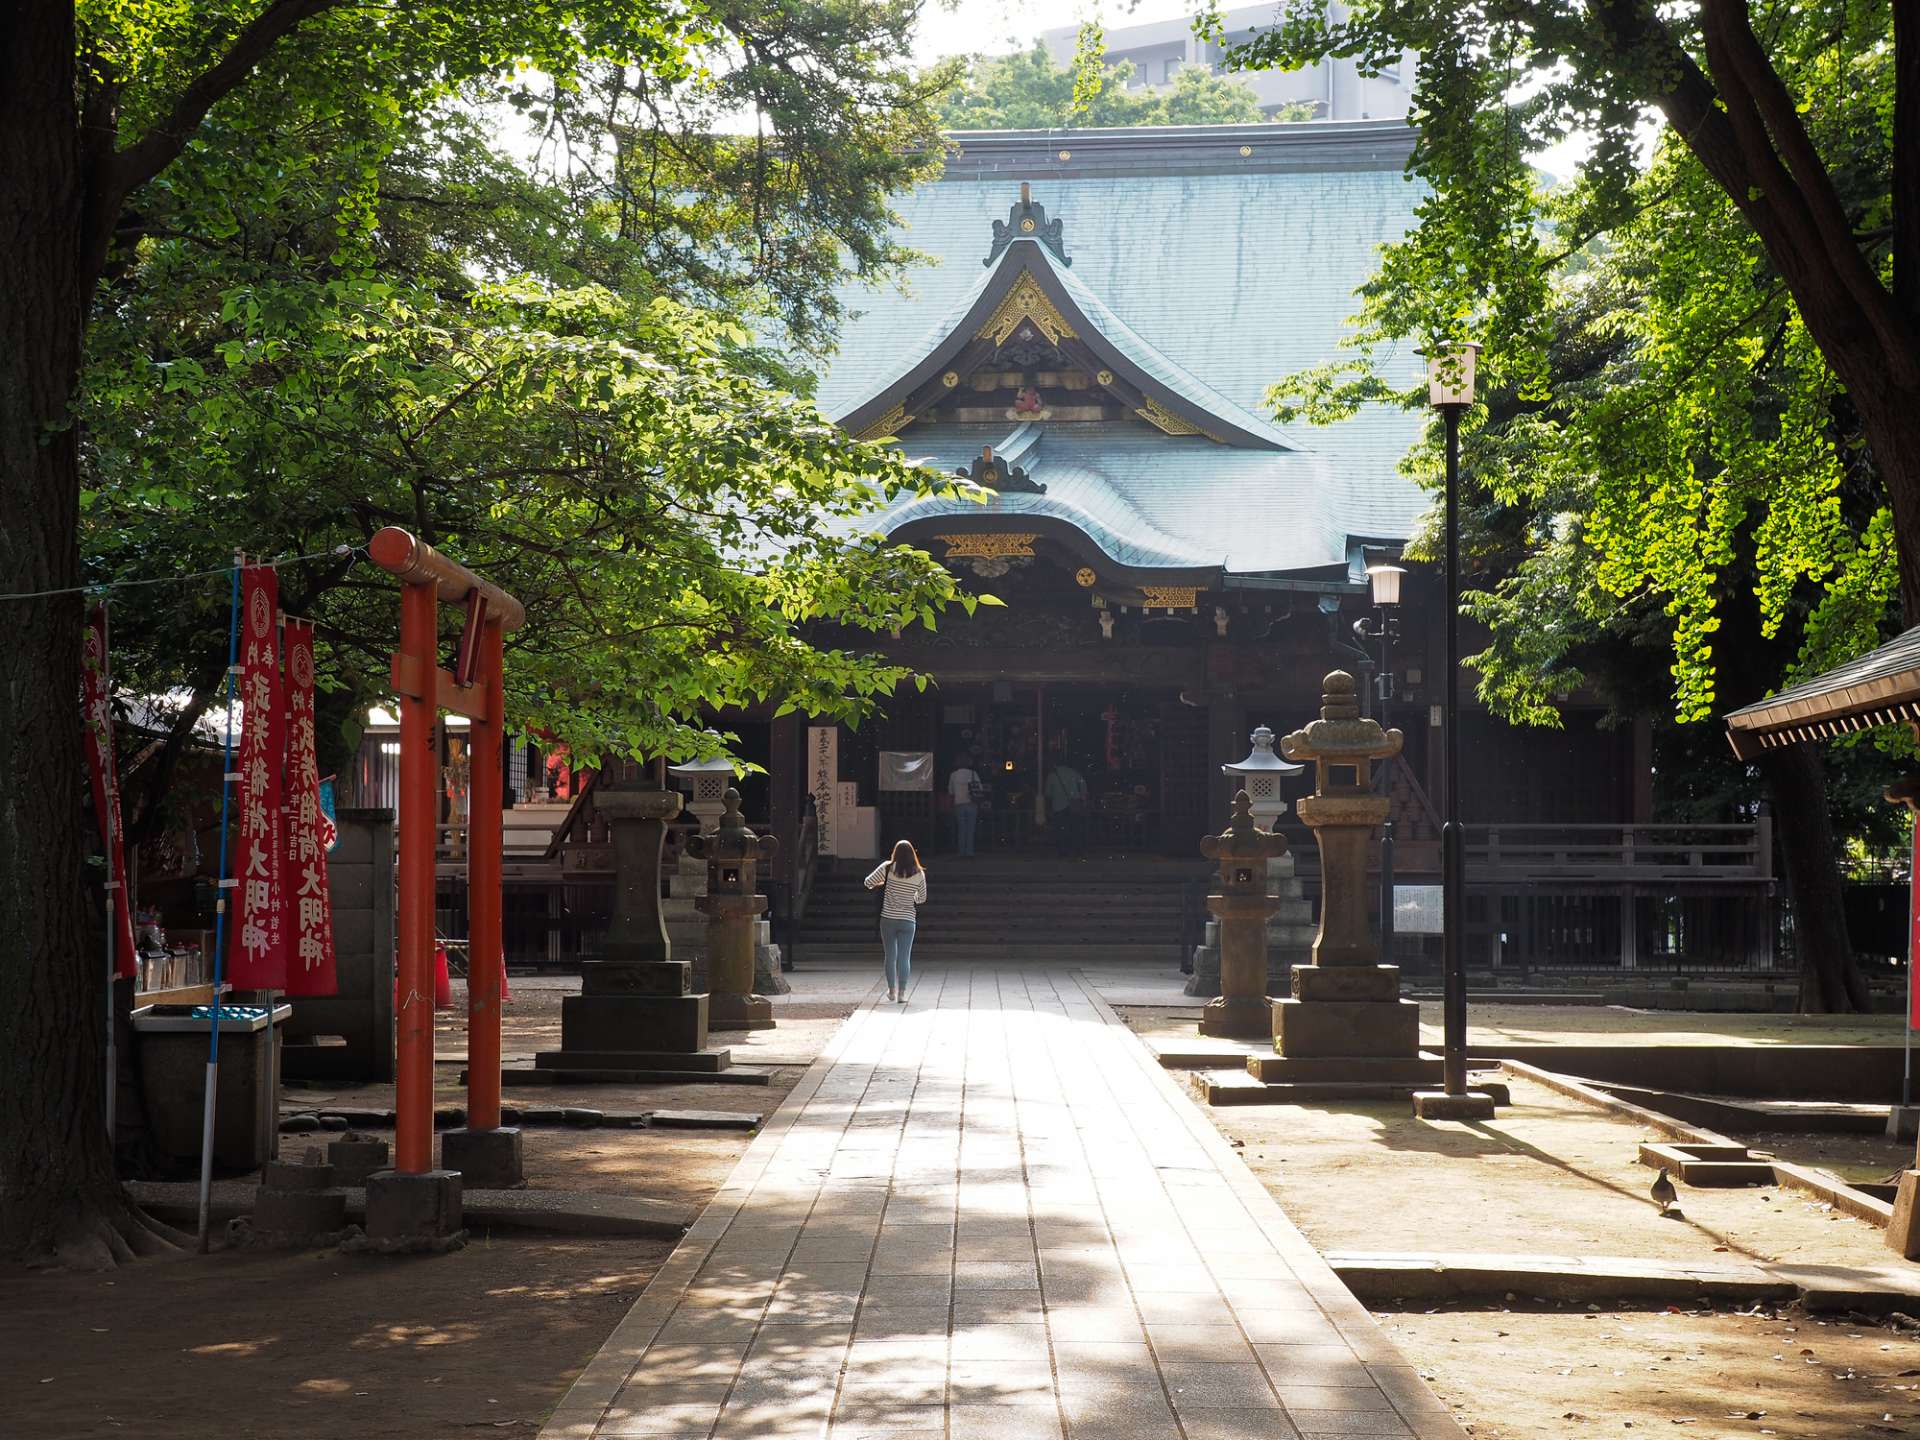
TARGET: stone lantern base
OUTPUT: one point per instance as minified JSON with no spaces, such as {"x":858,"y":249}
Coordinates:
{"x":1348,"y":1025}
{"x":739,"y":1012}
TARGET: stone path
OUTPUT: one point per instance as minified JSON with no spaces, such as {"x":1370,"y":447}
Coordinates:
{"x":990,"y":1214}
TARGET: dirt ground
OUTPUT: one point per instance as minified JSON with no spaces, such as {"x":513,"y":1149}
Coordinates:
{"x":1546,"y":1375}
{"x":1548,"y":1176}
{"x":245,"y":1344}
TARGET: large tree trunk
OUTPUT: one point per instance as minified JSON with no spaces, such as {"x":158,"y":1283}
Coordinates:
{"x":1830,"y":980}
{"x":58,"y":1194}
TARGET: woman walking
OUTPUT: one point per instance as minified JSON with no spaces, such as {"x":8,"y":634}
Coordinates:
{"x":905,"y":882}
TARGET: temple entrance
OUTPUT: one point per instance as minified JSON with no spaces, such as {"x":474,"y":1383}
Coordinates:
{"x":1140,"y":752}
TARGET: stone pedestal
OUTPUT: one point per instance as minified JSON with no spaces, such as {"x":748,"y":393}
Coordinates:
{"x":486,"y":1159}
{"x":1289,"y":935}
{"x":637,"y":1012}
{"x":355,"y":1157}
{"x":413,"y":1212}
{"x":687,"y":930}
{"x":298,"y":1205}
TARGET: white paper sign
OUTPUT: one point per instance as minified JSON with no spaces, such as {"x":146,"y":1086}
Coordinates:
{"x":1419,"y":910}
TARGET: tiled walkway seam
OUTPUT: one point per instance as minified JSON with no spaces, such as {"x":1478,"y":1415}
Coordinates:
{"x":989,"y":1214}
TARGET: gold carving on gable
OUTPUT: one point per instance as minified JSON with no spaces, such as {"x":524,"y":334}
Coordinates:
{"x":1158,"y":416}
{"x":891,"y":423}
{"x":1171,"y":597}
{"x":989,"y":546}
{"x":1025,"y":300}
{"x":1161,"y":418}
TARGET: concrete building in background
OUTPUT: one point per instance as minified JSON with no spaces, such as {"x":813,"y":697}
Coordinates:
{"x":1335,"y":88}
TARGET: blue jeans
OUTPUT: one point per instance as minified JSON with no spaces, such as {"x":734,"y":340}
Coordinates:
{"x":966,"y":818}
{"x":896,"y":941}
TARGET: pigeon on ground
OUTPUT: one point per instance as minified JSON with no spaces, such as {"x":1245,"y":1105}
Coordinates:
{"x":1663,"y":1191}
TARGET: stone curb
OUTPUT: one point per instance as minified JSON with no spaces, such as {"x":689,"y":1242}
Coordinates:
{"x":1828,"y":1187}
{"x":1433,"y":1276}
{"x":558,"y":1212}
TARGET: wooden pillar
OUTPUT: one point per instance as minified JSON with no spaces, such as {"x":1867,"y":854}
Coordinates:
{"x":786,"y":783}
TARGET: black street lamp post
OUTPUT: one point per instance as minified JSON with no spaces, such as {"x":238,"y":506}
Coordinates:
{"x":1450,"y":391}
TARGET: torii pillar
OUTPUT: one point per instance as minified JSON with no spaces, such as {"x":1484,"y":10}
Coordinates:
{"x":413,"y":1204}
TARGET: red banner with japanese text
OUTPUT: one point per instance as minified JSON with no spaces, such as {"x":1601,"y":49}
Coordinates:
{"x":309,"y":911}
{"x":97,"y":717}
{"x":256,"y":955}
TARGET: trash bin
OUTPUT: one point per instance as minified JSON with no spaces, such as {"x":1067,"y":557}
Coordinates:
{"x":170,"y":1045}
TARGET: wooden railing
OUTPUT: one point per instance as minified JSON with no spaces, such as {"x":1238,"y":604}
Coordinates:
{"x":1620,"y":852}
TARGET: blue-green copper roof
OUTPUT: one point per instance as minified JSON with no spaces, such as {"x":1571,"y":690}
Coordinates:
{"x":1225,"y":270}
{"x":1143,"y":500}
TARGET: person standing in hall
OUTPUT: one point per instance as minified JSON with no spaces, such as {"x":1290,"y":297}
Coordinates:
{"x":904,"y":880}
{"x":1066,"y":806}
{"x":967,"y":790}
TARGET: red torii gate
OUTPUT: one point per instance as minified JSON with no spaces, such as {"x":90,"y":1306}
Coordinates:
{"x":419,"y":1202}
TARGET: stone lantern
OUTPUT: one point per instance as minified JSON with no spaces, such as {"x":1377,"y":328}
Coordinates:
{"x":637,"y":1013}
{"x":709,"y":781}
{"x":1290,"y":929}
{"x":1345,"y":1020}
{"x":733,"y":854}
{"x":1242,"y":906}
{"x":1260,"y":775}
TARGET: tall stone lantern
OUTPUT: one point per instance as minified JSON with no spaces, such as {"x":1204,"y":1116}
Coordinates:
{"x":1345,"y":1019}
{"x":1242,"y":1010}
{"x":637,"y":1013}
{"x":733,"y":854}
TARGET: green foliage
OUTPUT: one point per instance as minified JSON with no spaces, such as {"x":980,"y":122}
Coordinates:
{"x":1028,"y":91}
{"x":343,"y":307}
{"x":1666,"y":451}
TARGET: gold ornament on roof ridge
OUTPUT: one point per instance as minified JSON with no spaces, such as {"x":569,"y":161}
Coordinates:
{"x":1025,"y":300}
{"x":987,"y":546}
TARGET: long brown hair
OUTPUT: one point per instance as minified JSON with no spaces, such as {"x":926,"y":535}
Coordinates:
{"x":907,"y":864}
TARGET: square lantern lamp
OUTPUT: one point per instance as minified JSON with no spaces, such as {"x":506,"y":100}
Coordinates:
{"x":1260,"y":775}
{"x":1450,"y":380}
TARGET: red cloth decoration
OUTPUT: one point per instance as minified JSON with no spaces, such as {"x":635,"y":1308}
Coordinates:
{"x":309,"y":909}
{"x":257,"y":949}
{"x":97,"y":717}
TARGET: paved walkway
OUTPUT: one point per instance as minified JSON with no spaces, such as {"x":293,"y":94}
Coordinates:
{"x":989,"y":1214}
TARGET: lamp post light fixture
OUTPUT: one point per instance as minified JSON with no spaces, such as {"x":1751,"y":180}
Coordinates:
{"x":1450,"y":390}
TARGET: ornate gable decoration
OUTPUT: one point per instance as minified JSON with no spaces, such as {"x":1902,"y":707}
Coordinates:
{"x":1026,"y":302}
{"x":1027,"y":221}
{"x":989,"y":470}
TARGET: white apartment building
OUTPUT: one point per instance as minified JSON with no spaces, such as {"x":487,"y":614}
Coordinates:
{"x":1335,"y":88}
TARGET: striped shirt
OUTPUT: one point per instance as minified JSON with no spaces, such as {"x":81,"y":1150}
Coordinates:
{"x":903,"y":891}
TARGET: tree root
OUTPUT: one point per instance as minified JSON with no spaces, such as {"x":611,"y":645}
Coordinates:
{"x":101,"y":1238}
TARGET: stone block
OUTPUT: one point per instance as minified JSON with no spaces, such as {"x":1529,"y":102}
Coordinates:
{"x":1438,"y":1105}
{"x":650,"y":977}
{"x":293,"y":1215}
{"x":355,"y":1157}
{"x":1417,"y":1072}
{"x":1358,"y":982}
{"x":634,"y":1022}
{"x":1903,"y":1230}
{"x":404,"y":1209}
{"x":739,"y":1012}
{"x":486,"y":1159}
{"x":307,"y":1174}
{"x":1238,"y":1018}
{"x":1346,"y":1027}
{"x":698,"y":1062}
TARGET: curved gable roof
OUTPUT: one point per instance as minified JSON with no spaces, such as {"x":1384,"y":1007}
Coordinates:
{"x":1026,"y":269}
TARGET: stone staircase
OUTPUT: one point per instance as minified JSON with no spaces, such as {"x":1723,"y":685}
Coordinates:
{"x":1092,"y":910}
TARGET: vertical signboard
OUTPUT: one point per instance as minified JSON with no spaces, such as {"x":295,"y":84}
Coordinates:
{"x":823,"y":778}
